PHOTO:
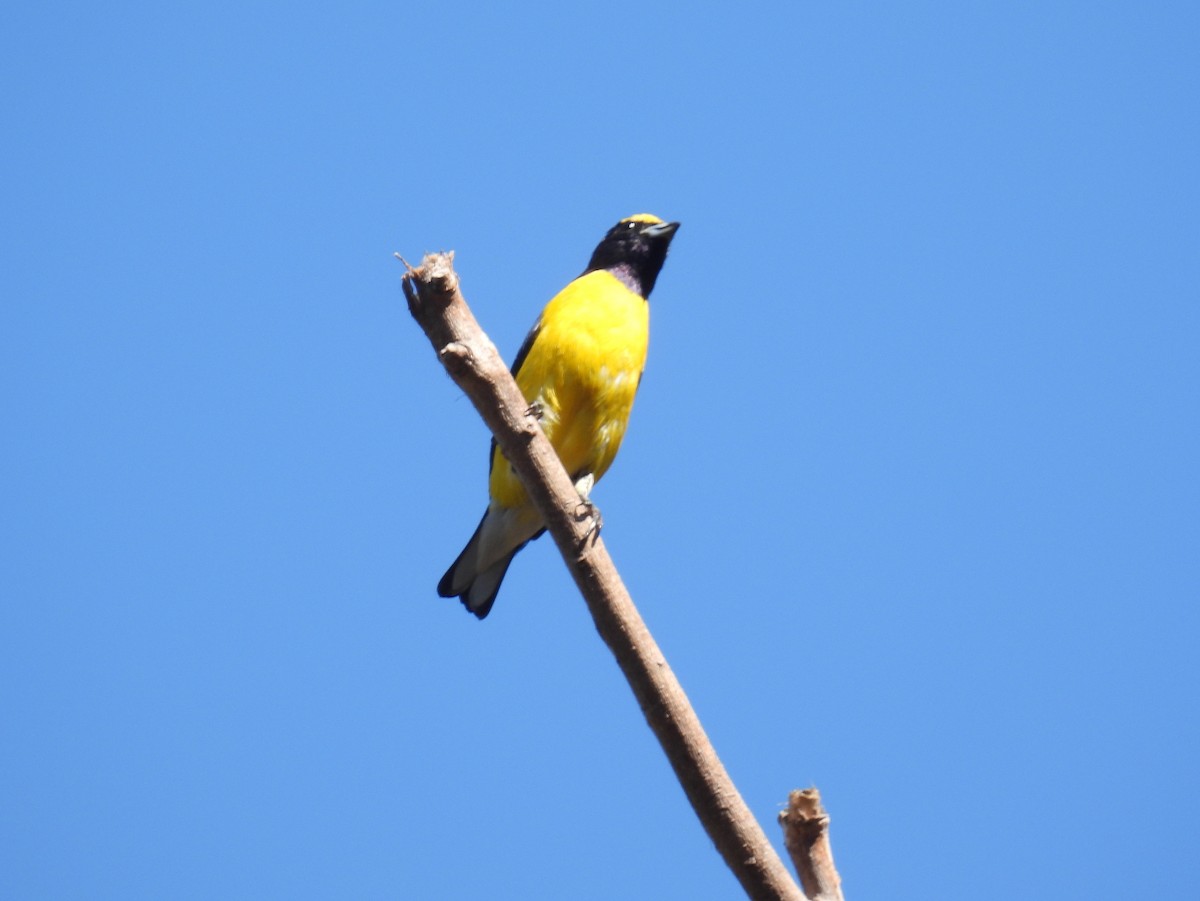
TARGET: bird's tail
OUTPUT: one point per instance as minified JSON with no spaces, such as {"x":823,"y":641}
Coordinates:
{"x":475,"y":577}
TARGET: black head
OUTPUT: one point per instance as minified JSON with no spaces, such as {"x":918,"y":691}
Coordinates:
{"x":634,"y":250}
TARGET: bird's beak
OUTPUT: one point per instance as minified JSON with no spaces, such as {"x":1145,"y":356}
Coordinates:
{"x":662,"y":230}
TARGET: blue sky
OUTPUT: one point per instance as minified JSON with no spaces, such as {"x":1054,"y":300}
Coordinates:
{"x":909,"y":496}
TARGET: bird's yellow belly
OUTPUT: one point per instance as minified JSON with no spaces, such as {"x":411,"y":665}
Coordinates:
{"x":582,"y":372}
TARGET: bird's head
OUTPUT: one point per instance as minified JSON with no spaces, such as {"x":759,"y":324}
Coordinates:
{"x":634,"y":250}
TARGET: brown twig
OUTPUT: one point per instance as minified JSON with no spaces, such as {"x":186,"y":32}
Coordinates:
{"x":806,"y":835}
{"x":474,"y":364}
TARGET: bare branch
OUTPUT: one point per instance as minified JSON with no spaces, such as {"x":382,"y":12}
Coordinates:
{"x":472,"y":361}
{"x":806,"y":835}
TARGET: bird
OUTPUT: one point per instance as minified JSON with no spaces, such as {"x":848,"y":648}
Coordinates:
{"x":579,"y":369}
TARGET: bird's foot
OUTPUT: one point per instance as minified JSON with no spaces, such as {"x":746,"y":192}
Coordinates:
{"x":587,"y":510}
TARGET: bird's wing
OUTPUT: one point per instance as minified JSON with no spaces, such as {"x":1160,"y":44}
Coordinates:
{"x":525,"y":346}
{"x":522,"y":353}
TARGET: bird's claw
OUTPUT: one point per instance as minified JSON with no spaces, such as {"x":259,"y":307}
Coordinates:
{"x":587,"y":510}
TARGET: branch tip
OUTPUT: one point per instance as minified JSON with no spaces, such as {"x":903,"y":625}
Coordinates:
{"x":439,"y":271}
{"x":806,"y":837}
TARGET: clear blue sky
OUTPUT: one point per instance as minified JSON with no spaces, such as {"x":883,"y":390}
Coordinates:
{"x":909,"y":496}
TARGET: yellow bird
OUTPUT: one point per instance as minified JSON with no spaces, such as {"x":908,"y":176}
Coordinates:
{"x":579,"y":368}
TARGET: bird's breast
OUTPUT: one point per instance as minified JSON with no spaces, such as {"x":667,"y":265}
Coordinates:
{"x":583,"y":371}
